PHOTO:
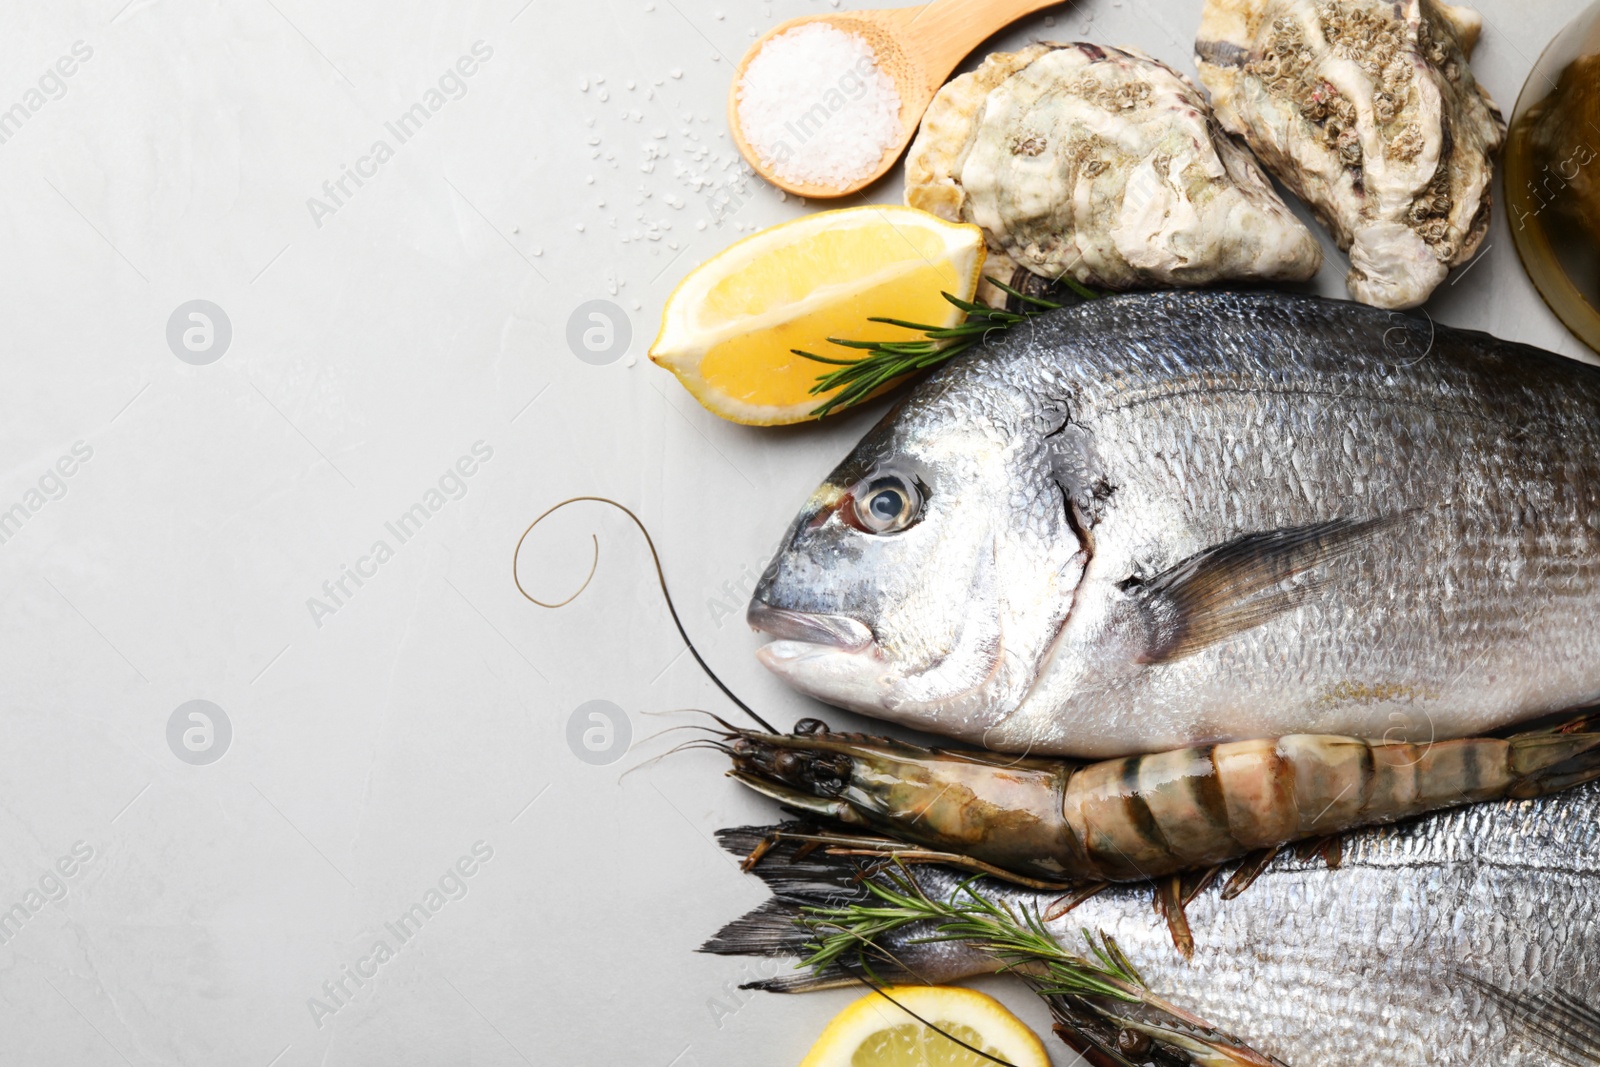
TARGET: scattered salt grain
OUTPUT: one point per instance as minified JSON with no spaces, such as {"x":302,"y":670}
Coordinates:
{"x":816,"y":107}
{"x":676,"y":72}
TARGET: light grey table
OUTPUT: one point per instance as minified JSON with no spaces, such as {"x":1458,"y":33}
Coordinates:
{"x":395,"y":214}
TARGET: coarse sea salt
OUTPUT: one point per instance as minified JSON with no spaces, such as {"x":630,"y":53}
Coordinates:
{"x":817,"y":108}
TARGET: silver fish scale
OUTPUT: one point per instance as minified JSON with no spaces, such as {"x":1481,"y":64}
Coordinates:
{"x":1312,"y":411}
{"x":1366,"y":965}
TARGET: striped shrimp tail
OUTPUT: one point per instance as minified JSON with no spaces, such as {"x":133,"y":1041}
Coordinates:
{"x":1556,"y":758}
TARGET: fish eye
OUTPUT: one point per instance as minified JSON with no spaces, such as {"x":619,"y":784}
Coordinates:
{"x":886,"y":504}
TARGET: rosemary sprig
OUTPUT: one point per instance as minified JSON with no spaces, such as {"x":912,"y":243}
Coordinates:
{"x":1017,"y":939}
{"x":856,"y":379}
{"x":1101,"y":984}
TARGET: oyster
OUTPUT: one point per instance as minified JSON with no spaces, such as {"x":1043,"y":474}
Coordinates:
{"x":1368,"y":111}
{"x":1102,"y":164}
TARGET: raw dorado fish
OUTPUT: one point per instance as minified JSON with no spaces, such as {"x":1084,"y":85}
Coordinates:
{"x":1169,"y":519}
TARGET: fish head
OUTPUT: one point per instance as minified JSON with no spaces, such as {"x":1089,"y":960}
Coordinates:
{"x":925,"y":580}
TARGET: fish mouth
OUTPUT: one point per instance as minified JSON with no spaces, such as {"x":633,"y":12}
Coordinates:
{"x":801,"y":631}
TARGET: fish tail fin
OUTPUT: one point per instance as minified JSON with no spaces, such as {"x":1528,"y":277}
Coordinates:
{"x":772,"y":931}
{"x":1554,"y":758}
{"x":799,"y":878}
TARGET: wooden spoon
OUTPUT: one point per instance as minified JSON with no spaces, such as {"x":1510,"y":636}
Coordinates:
{"x":917,"y":47}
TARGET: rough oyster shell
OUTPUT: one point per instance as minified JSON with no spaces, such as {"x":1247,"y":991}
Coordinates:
{"x":1100,"y":163}
{"x":1368,"y":111}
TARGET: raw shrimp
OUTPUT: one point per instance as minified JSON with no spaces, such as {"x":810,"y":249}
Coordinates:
{"x":1056,"y":823}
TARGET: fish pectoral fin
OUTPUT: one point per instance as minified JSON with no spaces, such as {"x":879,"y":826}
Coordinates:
{"x":1240,"y":584}
{"x":1555,"y":1022}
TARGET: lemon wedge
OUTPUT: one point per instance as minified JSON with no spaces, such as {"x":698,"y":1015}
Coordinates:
{"x":872,"y":1032}
{"x":729,"y":329}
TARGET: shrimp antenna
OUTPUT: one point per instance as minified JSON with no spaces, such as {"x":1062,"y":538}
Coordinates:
{"x":695,"y":744}
{"x":673,"y":729}
{"x":661,"y":578}
{"x":720,"y":721}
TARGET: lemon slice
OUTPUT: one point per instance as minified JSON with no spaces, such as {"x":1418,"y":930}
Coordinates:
{"x":872,"y":1032}
{"x":729,"y":329}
